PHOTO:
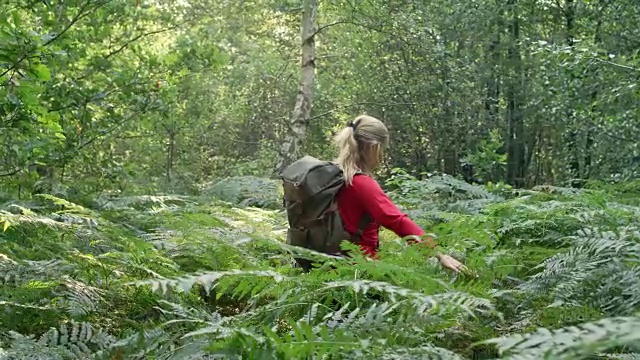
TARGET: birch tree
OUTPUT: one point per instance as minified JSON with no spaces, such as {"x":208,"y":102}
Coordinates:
{"x":290,"y":149}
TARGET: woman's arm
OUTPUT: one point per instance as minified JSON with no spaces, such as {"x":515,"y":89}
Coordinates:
{"x":384,"y":211}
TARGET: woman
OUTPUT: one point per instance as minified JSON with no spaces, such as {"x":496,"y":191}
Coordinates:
{"x":360,"y":149}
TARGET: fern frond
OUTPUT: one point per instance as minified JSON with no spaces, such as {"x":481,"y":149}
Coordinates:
{"x":304,"y":340}
{"x":26,"y":306}
{"x":595,"y":271}
{"x":65,"y":205}
{"x":138,"y":346}
{"x":427,"y":351}
{"x":73,"y":219}
{"x":560,"y":190}
{"x":12,"y":220}
{"x":207,"y":280}
{"x":570,"y":342}
{"x":631,"y":356}
{"x":420,"y":302}
{"x":69,"y":341}
{"x":194,"y":349}
{"x":14,"y":273}
{"x":142,"y":202}
{"x":81,"y":299}
{"x":185,"y":314}
{"x":529,"y":230}
{"x":375,"y":317}
{"x":246,"y":191}
{"x":162,"y":239}
{"x":470,"y":207}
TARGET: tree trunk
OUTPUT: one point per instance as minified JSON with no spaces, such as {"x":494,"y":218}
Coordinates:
{"x":290,"y":149}
{"x":573,"y":141}
{"x":492,"y":98}
{"x":171,"y":150}
{"x":172,"y":131}
{"x":593,"y":97}
{"x":516,"y":162}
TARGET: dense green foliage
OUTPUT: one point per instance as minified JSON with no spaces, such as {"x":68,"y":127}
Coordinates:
{"x":168,"y":277}
{"x":139,"y":218}
{"x":138,"y":96}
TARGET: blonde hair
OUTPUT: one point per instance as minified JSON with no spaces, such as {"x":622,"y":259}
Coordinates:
{"x":353,"y":142}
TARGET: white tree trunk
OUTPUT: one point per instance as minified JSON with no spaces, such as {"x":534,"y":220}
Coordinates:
{"x":290,"y":149}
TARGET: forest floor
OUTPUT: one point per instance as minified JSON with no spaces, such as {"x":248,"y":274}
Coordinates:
{"x":180,"y":277}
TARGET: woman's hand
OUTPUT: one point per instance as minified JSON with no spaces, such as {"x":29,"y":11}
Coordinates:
{"x":451,"y":263}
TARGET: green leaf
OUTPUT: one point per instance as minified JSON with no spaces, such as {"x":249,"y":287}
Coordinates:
{"x":17,"y":21}
{"x":42,"y":72}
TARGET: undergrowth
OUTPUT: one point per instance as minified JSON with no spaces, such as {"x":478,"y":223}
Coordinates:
{"x":554,"y":275}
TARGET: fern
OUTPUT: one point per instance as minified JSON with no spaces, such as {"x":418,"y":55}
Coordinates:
{"x":65,"y":206}
{"x":420,"y":302}
{"x":246,"y":191}
{"x":26,"y":306}
{"x":207,"y":280}
{"x":143,"y":202}
{"x":559,"y":190}
{"x":602,"y":261}
{"x":10,"y":220}
{"x":237,"y":296}
{"x":69,"y":341}
{"x":470,"y":207}
{"x":426,"y":351}
{"x":138,"y":346}
{"x":81,"y":299}
{"x":632,"y":356}
{"x":14,"y":273}
{"x":571,"y":342}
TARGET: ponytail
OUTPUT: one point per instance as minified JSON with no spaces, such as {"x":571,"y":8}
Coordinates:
{"x":349,"y":155}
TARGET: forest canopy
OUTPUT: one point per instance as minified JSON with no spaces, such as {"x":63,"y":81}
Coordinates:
{"x":137,"y":96}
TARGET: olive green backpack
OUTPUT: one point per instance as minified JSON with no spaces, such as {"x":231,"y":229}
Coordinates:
{"x":310,"y":190}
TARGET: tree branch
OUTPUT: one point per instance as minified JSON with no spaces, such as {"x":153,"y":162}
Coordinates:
{"x":365,"y":103}
{"x":80,"y":15}
{"x":12,"y":172}
{"x":369,"y":27}
{"x":626,"y":67}
{"x":320,"y":28}
{"x":612,"y":136}
{"x":130,"y":41}
{"x":112,"y":129}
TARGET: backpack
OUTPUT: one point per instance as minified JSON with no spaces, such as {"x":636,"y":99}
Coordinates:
{"x":310,"y":190}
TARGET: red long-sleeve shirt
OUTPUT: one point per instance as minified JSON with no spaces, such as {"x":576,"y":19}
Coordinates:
{"x":366,"y":196}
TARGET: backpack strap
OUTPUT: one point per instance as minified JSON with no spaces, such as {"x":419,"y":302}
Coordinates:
{"x":365,"y":220}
